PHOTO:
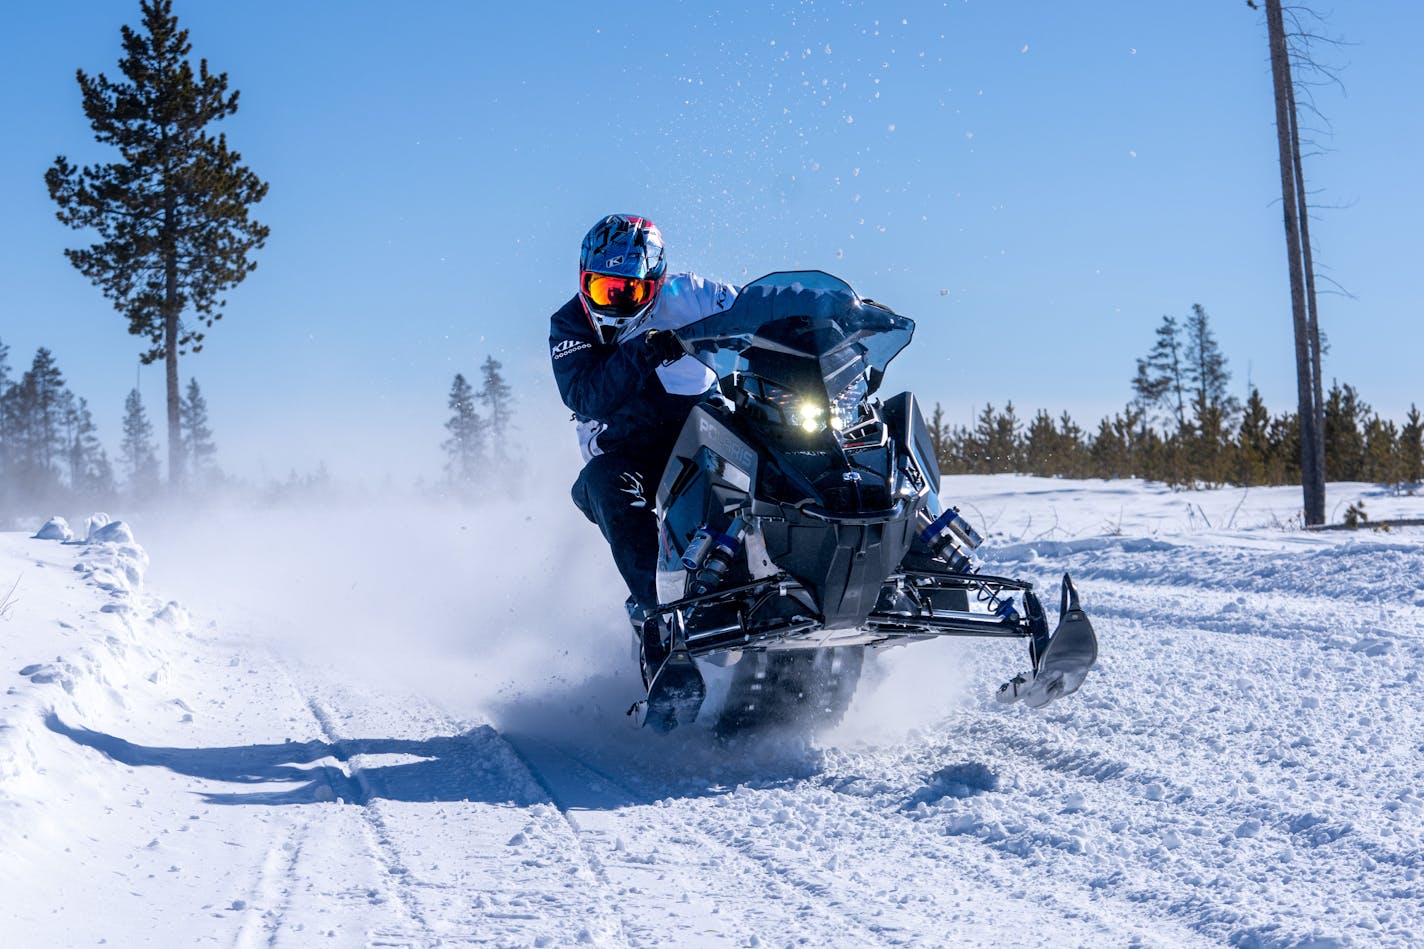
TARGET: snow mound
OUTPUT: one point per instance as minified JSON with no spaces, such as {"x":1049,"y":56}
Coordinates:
{"x":93,"y":522}
{"x":56,"y":528}
{"x":114,"y":562}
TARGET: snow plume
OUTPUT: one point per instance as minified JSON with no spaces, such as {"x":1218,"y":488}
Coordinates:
{"x":468,"y":604}
{"x":907,"y":688}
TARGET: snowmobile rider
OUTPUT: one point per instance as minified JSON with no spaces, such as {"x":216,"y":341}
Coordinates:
{"x":629,"y":382}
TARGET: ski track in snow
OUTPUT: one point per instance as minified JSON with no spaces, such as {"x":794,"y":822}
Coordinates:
{"x":1243,"y":768}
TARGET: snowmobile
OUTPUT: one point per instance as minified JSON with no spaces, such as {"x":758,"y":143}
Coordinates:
{"x":800,"y":524}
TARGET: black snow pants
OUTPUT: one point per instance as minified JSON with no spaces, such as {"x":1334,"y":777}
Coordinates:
{"x":615,"y":491}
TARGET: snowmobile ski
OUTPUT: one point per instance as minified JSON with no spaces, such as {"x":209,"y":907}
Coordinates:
{"x":675,"y":695}
{"x":1061,"y":667}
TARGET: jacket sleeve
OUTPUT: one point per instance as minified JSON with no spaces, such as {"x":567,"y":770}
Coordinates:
{"x":688,"y":297}
{"x":595,"y":380}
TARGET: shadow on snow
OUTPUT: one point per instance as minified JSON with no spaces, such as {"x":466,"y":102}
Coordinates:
{"x":479,"y":765}
{"x":474,"y":766}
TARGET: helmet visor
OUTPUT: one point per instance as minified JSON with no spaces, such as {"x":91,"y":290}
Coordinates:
{"x":618,"y":295}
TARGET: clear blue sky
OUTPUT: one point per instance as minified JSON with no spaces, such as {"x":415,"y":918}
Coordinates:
{"x":1036,"y":183}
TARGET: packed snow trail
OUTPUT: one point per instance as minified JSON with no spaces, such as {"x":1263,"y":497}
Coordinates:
{"x":347,"y":760}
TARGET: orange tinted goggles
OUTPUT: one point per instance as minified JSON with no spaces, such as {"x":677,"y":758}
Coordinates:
{"x":619,"y":293}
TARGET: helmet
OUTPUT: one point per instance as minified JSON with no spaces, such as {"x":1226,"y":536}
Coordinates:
{"x":621,"y":269}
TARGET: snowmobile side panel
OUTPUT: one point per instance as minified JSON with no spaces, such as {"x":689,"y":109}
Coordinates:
{"x":710,"y":473}
{"x":907,"y":426}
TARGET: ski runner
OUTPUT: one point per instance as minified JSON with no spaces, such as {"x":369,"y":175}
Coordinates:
{"x":630,"y":387}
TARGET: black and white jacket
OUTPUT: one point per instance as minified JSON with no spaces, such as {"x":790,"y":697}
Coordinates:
{"x":620,"y":394}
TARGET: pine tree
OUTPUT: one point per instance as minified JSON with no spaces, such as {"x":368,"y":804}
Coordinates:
{"x":1206,"y":371}
{"x":1108,"y":452}
{"x":1381,"y":456}
{"x":960,"y":452}
{"x":198,"y":444}
{"x":1073,"y":449}
{"x":495,"y":397}
{"x":137,"y":449}
{"x":1128,"y":425}
{"x":996,"y":443}
{"x":1411,"y":447}
{"x":90,"y":473}
{"x":1253,"y":448}
{"x":1344,"y":439}
{"x":1160,"y":384}
{"x":464,"y":449}
{"x":1152,"y":461}
{"x":172,"y":214}
{"x":1212,"y":408}
{"x":1006,"y":442}
{"x":1284,"y":439}
{"x":939,"y":434}
{"x":1042,"y":446}
{"x":35,"y":409}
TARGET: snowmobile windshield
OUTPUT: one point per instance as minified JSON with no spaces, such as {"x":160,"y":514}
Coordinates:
{"x":804,"y":333}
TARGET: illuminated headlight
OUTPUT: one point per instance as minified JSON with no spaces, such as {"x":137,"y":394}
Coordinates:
{"x":810,"y":417}
{"x":846,"y":407}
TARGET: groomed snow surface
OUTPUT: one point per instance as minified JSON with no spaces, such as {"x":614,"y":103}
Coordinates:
{"x":406,"y":728}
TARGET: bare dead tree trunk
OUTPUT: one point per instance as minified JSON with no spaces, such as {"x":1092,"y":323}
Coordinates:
{"x":1310,"y":406}
{"x":1312,"y":311}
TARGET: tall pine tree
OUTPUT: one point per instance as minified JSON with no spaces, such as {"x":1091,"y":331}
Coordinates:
{"x":1411,"y":447}
{"x":939,"y":432}
{"x":1161,"y":382}
{"x":197,"y":436}
{"x":1212,"y":408}
{"x":495,"y":396}
{"x":90,"y":473}
{"x":1253,"y":447}
{"x":35,"y":411}
{"x":1381,"y":462}
{"x":465,"y":448}
{"x":172,"y":213}
{"x":137,"y":450}
{"x":1344,"y":435}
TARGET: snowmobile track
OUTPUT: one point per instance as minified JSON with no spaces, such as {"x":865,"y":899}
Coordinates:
{"x":378,"y":838}
{"x":534,"y":756}
{"x":272,"y":888}
{"x":576,"y":785}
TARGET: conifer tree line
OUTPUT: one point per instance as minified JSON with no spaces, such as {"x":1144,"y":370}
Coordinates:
{"x":50,"y":452}
{"x":480,"y":425}
{"x":1182,"y":427}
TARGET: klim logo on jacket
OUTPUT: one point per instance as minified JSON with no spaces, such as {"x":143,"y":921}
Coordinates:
{"x":566,"y":346}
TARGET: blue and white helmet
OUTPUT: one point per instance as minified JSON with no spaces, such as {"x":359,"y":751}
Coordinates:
{"x":621,"y":269}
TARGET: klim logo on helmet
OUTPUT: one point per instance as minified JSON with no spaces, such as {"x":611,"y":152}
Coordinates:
{"x":614,"y":261}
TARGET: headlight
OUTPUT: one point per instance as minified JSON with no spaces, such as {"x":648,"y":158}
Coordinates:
{"x":809,"y":417}
{"x":846,"y":407}
{"x":780,"y":405}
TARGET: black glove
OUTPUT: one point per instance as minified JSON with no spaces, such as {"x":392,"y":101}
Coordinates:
{"x":665,"y":345}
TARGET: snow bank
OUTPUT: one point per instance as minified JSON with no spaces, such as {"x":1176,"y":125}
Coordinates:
{"x":77,"y":631}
